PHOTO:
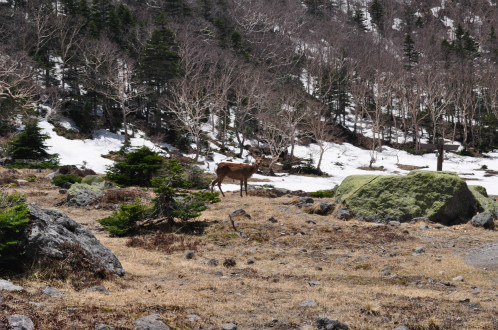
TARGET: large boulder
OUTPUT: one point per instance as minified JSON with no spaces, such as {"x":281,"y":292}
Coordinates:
{"x":486,"y":203}
{"x":439,"y":196}
{"x":82,"y":194}
{"x":50,"y":231}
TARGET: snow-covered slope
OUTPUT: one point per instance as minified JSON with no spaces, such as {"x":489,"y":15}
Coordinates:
{"x":339,"y":161}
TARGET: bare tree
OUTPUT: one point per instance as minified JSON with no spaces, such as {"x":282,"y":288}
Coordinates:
{"x":316,"y":126}
{"x":190,"y":95}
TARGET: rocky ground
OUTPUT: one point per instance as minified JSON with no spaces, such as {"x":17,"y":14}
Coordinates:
{"x":283,"y":268}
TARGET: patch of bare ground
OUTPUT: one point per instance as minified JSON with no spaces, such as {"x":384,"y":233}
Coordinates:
{"x":365,"y":275}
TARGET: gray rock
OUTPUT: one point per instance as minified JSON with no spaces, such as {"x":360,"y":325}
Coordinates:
{"x":419,"y":250}
{"x":94,"y":180}
{"x":98,"y":288}
{"x":424,"y":227}
{"x":81,"y":194}
{"x":250,"y":261}
{"x":273,"y":220}
{"x":424,"y":219}
{"x":483,"y":219}
{"x":62,"y":191}
{"x":307,"y":303}
{"x":328,"y":324}
{"x":50,"y":230}
{"x":50,"y":176}
{"x":229,"y":326}
{"x":218,"y":273}
{"x":464,"y":300}
{"x":20,"y":322}
{"x":213,"y":262}
{"x":305,"y":200}
{"x":189,"y":254}
{"x":193,"y":317}
{"x":394,"y":223}
{"x":343,"y":213}
{"x":240,"y":213}
{"x":458,"y":279}
{"x":326,"y":207}
{"x":53,"y":292}
{"x":314,"y":283}
{"x":9,"y":286}
{"x":474,"y":305}
{"x":103,"y":327}
{"x":401,"y":328}
{"x":310,"y":222}
{"x":151,"y":322}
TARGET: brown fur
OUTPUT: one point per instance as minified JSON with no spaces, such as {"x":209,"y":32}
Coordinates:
{"x":234,"y":171}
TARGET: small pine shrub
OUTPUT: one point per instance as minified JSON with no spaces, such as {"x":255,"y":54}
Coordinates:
{"x":60,"y":180}
{"x":123,"y":222}
{"x":136,"y":169}
{"x":309,"y":168}
{"x":13,"y":219}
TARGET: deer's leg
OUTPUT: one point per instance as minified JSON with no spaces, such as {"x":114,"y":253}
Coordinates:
{"x":213,"y":183}
{"x":241,"y":180}
{"x":219,"y":186}
{"x":245,"y":184}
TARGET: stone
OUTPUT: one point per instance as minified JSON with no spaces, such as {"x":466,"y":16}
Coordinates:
{"x":273,"y":219}
{"x":94,"y":180}
{"x":240,"y":213}
{"x":213,"y":262}
{"x":323,"y":323}
{"x":101,"y":326}
{"x":307,"y":303}
{"x":218,"y":273}
{"x":485,"y":202}
{"x":193,"y":317}
{"x":50,"y":176}
{"x":401,"y":328}
{"x":424,"y":227}
{"x":343,"y":213}
{"x":151,"y":322}
{"x":458,"y":279}
{"x":229,"y":326}
{"x":49,"y":291}
{"x":189,"y":254}
{"x":9,"y":286}
{"x":305,"y":200}
{"x":326,"y":207}
{"x":51,"y":231}
{"x":81,"y":194}
{"x":484,"y":220}
{"x":97,"y":288}
{"x":419,"y":250}
{"x":314,"y":283}
{"x":394,"y":223}
{"x":464,"y":300}
{"x":439,"y":196}
{"x":62,"y":191}
{"x":474,"y":305}
{"x":20,"y":322}
{"x":250,"y":261}
{"x":310,"y":222}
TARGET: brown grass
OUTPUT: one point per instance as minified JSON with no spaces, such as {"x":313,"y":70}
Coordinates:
{"x":409,"y":167}
{"x":347,"y":258}
{"x":167,"y":243}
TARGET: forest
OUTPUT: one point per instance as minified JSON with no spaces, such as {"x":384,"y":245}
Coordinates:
{"x":272,"y":71}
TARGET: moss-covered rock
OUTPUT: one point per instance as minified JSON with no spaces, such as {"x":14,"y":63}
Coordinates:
{"x":485,"y":203}
{"x":439,"y":196}
{"x":82,"y":194}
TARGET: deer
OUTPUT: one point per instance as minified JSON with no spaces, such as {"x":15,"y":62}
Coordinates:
{"x":235,"y":171}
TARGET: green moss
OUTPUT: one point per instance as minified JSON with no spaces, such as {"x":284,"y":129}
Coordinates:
{"x":439,"y":196}
{"x":485,"y":203}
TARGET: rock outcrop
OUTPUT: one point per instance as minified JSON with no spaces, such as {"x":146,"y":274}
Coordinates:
{"x":81,"y":194}
{"x":50,"y":230}
{"x":439,"y":196}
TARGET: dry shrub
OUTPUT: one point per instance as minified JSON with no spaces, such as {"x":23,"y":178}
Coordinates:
{"x":410,"y":167}
{"x":77,"y":267}
{"x":7,"y":178}
{"x":116,"y":196}
{"x":163,"y":242}
{"x":72,"y":169}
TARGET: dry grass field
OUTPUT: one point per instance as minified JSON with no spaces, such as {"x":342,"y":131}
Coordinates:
{"x":363,"y":274}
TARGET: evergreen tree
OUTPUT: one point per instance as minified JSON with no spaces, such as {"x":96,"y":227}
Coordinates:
{"x":359,"y":19}
{"x":377,"y":12}
{"x":29,"y":144}
{"x":410,"y":53}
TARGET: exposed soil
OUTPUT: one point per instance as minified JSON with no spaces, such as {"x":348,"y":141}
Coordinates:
{"x":365,"y":275}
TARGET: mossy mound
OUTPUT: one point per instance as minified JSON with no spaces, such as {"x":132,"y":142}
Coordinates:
{"x":439,"y":196}
{"x":485,"y":203}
